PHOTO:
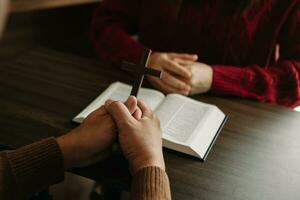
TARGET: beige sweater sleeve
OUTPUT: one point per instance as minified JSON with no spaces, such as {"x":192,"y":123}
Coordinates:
{"x":150,"y":183}
{"x":29,"y":169}
{"x":39,"y":165}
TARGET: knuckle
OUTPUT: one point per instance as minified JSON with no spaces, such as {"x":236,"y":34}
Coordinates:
{"x":180,"y":86}
{"x":174,"y":64}
{"x":115,"y":104}
{"x":125,"y":123}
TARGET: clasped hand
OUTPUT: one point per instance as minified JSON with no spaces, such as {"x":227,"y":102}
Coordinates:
{"x":181,"y":73}
{"x":139,"y":136}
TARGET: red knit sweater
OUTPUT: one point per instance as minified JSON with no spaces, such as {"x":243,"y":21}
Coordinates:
{"x":239,"y":44}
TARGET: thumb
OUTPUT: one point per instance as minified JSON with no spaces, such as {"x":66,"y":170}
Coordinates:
{"x":119,"y":113}
{"x":131,"y":104}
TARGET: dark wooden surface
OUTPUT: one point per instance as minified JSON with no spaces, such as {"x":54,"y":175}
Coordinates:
{"x":257,"y":155}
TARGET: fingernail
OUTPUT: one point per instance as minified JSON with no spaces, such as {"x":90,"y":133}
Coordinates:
{"x":129,"y":102}
{"x":132,"y":96}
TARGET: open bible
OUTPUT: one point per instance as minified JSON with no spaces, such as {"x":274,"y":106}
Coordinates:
{"x":188,"y":126}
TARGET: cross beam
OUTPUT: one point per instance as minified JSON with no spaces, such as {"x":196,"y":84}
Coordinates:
{"x":140,"y":71}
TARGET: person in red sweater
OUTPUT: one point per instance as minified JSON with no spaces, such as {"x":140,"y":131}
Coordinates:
{"x":248,"y":49}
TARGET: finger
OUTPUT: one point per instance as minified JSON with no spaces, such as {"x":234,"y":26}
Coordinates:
{"x":184,"y":63}
{"x":137,"y":114}
{"x":174,"y":67}
{"x":165,"y":88}
{"x":100,"y":111}
{"x":131,"y":104}
{"x":175,"y":82}
{"x":170,"y":89}
{"x":187,"y":81}
{"x":119,"y":112}
{"x":108,"y":102}
{"x":184,"y":56}
{"x":147,"y":112}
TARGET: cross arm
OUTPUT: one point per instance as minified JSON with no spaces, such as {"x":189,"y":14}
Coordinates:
{"x":140,"y":69}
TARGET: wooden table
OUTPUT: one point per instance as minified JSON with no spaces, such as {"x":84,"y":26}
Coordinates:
{"x":257,"y":155}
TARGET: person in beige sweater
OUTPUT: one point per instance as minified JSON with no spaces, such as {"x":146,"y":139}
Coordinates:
{"x":41,"y":164}
{"x":34,"y":167}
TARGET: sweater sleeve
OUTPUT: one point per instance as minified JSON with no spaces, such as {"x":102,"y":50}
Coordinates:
{"x":150,"y":183}
{"x":279,"y":83}
{"x":113,"y":24}
{"x":30,"y":169}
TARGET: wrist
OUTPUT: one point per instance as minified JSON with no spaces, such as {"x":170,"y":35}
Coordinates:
{"x":68,"y":149}
{"x":147,"y":161}
{"x":202,"y":78}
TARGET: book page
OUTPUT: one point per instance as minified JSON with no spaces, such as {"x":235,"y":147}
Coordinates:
{"x":151,"y":98}
{"x":180,"y":116}
{"x":120,"y":92}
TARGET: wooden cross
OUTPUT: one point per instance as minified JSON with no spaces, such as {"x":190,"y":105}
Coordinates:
{"x":140,"y":71}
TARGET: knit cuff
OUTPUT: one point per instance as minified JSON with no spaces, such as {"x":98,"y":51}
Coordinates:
{"x":228,"y":80}
{"x":36,"y":166}
{"x":151,"y":183}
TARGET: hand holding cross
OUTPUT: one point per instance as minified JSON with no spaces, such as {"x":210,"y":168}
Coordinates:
{"x":140,"y":71}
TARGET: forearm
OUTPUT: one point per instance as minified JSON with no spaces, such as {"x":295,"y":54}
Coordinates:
{"x":150,"y":183}
{"x":276,"y":84}
{"x":29,"y":169}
